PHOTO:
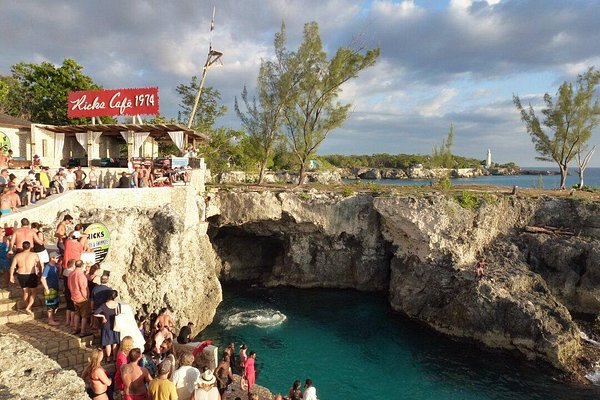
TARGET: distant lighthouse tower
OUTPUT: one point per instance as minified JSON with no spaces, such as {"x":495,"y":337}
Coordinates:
{"x":488,"y":161}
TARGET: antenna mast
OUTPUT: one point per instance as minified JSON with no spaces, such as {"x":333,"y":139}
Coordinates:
{"x":212,"y":58}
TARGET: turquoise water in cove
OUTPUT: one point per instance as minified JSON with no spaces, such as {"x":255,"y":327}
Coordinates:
{"x":591,"y":179}
{"x":354,"y":347}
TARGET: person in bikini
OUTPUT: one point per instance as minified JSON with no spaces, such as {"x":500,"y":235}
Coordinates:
{"x":10,"y":200}
{"x":96,"y":376}
{"x":135,"y":377}
{"x":27,"y":266}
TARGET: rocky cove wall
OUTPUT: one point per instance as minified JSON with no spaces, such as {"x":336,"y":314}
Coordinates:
{"x":160,"y":254}
{"x":421,"y":250}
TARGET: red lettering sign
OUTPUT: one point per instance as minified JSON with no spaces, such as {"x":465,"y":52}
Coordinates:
{"x":112,"y":102}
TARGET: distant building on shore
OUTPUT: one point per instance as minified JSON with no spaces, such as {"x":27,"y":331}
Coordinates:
{"x":488,"y":160}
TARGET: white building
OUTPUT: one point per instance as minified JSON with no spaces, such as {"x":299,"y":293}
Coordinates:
{"x":88,"y":144}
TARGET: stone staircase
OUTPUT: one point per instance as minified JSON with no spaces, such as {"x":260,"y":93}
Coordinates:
{"x":57,"y":342}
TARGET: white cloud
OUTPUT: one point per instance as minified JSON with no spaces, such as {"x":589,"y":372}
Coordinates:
{"x":435,"y":106}
{"x":436,"y":66}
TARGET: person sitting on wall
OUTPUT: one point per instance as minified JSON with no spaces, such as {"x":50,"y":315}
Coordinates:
{"x":124,"y":181}
{"x":10,"y":200}
{"x":185,"y":334}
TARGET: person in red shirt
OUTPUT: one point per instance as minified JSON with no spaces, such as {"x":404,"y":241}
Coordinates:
{"x":73,"y":248}
{"x":78,"y":286}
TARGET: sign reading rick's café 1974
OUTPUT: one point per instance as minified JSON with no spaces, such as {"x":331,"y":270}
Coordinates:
{"x":113,"y":102}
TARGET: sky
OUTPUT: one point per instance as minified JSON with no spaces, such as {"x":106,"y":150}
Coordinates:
{"x":442,"y":62}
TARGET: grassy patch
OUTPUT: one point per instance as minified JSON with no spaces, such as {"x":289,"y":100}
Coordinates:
{"x":468,"y":201}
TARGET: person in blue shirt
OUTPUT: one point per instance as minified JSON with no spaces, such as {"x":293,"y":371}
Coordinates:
{"x":49,"y":282}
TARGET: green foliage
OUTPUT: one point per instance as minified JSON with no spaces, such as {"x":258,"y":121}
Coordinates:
{"x":283,"y":158}
{"x":444,"y":183}
{"x":263,"y":117}
{"x":209,"y":109}
{"x":539,"y":183}
{"x":313,"y":84}
{"x":347,"y":191}
{"x":442,"y":157}
{"x":304,"y":196}
{"x":468,"y":200}
{"x":227,"y":151}
{"x":399,"y":161}
{"x":489,"y":199}
{"x":38,"y":92}
{"x":568,"y":121}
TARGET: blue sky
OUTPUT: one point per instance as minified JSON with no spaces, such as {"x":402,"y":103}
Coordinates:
{"x":442,"y":62}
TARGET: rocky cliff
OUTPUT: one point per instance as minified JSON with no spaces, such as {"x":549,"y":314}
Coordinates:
{"x":160,"y":254}
{"x":421,"y":250}
{"x":26,"y":373}
{"x":156,"y":261}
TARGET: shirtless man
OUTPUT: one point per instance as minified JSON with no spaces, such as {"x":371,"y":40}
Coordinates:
{"x":9,"y":201}
{"x":21,"y":235}
{"x":135,"y":377}
{"x":164,"y":319}
{"x":27,"y":266}
{"x":80,"y":177}
{"x":479,"y":267}
{"x":61,"y":233}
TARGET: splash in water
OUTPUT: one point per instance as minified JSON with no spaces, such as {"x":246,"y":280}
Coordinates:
{"x":262,"y":318}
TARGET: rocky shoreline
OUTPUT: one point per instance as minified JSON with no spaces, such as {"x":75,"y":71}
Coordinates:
{"x":338,"y":175}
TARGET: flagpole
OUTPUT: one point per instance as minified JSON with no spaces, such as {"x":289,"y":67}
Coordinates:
{"x":213,"y":57}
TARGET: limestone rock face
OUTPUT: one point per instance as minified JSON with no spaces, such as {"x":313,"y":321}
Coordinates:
{"x":304,"y":240}
{"x":569,"y":264}
{"x":371,"y":173}
{"x":422,"y":251}
{"x":433,"y":279}
{"x":393,"y":173}
{"x":27,"y":373}
{"x":158,"y":259}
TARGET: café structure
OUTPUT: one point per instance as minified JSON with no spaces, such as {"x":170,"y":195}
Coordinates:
{"x":90,"y":144}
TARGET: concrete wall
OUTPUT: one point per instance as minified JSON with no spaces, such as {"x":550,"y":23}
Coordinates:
{"x":184,"y":199}
{"x":181,"y":198}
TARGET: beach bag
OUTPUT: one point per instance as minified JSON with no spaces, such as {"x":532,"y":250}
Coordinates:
{"x":120,"y":320}
{"x":244,"y":383}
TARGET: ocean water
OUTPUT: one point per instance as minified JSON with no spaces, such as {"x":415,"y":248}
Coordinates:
{"x":591,"y":178}
{"x":354,"y":347}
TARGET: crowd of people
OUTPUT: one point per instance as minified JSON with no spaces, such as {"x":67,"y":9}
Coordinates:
{"x":39,"y":183}
{"x":148,"y":365}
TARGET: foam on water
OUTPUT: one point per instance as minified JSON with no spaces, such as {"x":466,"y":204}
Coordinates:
{"x":262,"y":318}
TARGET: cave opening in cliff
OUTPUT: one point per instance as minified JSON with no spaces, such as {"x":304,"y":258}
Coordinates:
{"x":246,"y":256}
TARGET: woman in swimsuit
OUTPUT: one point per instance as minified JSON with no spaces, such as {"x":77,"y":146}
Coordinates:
{"x":95,"y":376}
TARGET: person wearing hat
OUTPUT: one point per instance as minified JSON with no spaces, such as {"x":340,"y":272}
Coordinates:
{"x":49,"y":282}
{"x":73,"y":248}
{"x":206,"y":389}
{"x":162,"y":388}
